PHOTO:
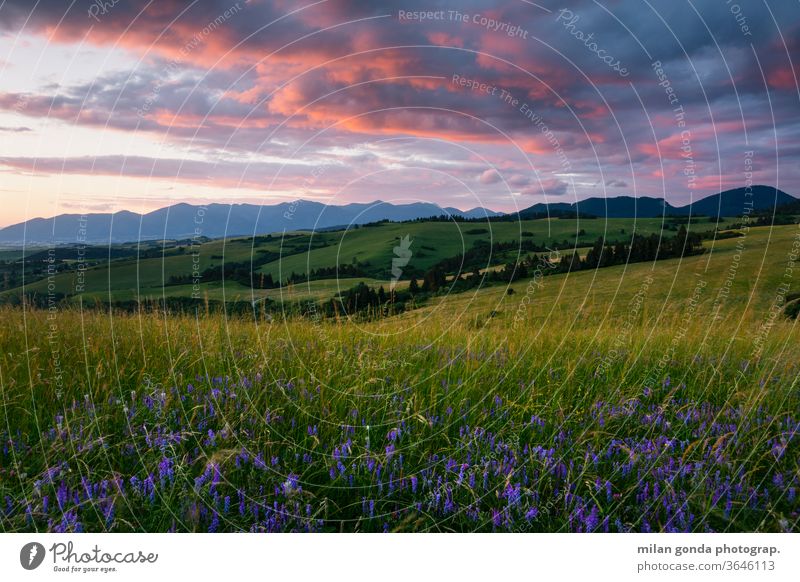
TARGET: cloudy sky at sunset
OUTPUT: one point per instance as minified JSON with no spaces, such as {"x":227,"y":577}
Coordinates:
{"x":136,"y":105}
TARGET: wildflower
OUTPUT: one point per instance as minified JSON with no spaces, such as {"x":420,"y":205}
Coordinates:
{"x":497,"y":518}
{"x":165,"y":470}
{"x":592,"y":520}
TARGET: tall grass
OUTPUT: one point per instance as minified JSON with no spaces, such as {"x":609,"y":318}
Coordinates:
{"x":153,"y":422}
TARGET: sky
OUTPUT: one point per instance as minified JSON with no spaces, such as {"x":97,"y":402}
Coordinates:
{"x":109,"y":105}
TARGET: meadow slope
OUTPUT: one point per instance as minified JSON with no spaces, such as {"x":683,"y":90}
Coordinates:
{"x":147,"y":273}
{"x":648,"y":397}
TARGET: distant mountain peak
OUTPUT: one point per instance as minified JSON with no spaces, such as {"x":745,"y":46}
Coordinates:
{"x":733,"y":202}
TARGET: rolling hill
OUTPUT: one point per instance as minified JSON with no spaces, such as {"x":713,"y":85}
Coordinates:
{"x":155,"y":269}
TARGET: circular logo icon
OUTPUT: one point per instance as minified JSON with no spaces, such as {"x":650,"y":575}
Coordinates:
{"x":31,"y":555}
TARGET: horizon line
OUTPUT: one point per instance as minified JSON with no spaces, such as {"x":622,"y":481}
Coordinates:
{"x":378,"y":201}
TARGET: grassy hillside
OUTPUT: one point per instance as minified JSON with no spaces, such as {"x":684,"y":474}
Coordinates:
{"x":741,"y":275}
{"x":654,"y":396}
{"x":146,"y":273}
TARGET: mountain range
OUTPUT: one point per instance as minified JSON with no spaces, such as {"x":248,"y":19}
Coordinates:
{"x":183,"y":220}
{"x":733,"y":202}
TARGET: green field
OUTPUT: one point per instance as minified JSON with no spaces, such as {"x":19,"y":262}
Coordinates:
{"x":659,"y":396}
{"x":145,"y":273}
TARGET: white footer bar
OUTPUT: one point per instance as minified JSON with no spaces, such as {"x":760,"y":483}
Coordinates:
{"x":399,"y":557}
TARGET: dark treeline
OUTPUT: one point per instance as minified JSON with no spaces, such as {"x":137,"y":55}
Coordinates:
{"x":242,"y":272}
{"x":512,"y":217}
{"x":786,"y":214}
{"x":640,"y":248}
{"x":245,"y":273}
{"x":780,"y":215}
{"x":792,"y":305}
{"x":344,"y":270}
{"x":361,"y":301}
{"x":482,"y":253}
{"x":170,"y":305}
{"x":365,"y":300}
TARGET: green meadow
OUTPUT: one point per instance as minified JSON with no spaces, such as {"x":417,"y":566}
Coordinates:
{"x":653,"y":396}
{"x":146,"y":275}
